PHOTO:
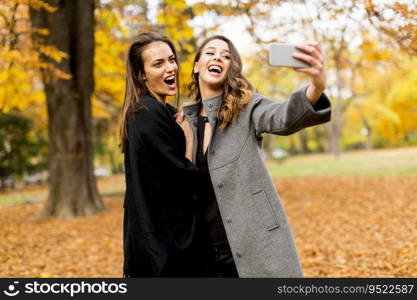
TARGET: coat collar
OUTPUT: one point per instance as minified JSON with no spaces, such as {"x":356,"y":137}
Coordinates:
{"x":211,"y":105}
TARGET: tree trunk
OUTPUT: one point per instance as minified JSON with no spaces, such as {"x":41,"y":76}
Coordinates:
{"x":319,"y":139}
{"x":292,"y":148}
{"x":2,"y":184}
{"x":334,"y":134}
{"x":336,"y":123}
{"x":369,"y":139}
{"x":304,"y":142}
{"x":73,"y":191}
{"x":367,"y":129}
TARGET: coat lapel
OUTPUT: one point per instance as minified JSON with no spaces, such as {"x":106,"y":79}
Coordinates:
{"x":212,"y":106}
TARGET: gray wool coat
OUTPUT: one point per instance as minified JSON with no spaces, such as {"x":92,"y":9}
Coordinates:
{"x":254,"y":218}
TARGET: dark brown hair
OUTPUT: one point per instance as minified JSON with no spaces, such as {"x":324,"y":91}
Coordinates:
{"x":135,"y":85}
{"x":237,"y":89}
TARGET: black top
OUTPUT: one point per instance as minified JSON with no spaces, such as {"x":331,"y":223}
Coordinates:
{"x":160,"y":204}
{"x":209,"y":208}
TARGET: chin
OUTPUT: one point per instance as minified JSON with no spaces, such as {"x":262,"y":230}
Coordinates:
{"x":217,"y":84}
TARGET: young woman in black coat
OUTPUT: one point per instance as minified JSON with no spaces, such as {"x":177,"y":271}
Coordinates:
{"x":159,"y":206}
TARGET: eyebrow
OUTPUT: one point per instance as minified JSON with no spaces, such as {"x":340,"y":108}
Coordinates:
{"x":224,"y":50}
{"x":161,"y":59}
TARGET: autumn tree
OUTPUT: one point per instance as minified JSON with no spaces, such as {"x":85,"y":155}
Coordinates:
{"x":20,"y":150}
{"x":396,"y":21}
{"x":73,"y":190}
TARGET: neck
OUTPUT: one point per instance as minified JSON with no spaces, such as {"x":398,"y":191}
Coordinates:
{"x":208,"y":92}
{"x":157,"y":97}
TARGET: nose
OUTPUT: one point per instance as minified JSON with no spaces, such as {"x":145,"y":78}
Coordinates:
{"x":171,"y":67}
{"x":217,"y":56}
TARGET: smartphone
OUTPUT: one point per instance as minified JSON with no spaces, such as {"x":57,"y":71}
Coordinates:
{"x":280,"y":54}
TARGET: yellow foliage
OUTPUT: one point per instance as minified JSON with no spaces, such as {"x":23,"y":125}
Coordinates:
{"x":40,"y":31}
{"x":180,"y":5}
{"x":52,"y":52}
{"x":109,"y":65}
{"x":108,"y":19}
{"x":16,"y":89}
{"x":392,"y":106}
{"x":174,"y":19}
{"x":39,"y":4}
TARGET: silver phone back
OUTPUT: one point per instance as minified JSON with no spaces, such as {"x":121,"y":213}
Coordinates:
{"x":280,"y":54}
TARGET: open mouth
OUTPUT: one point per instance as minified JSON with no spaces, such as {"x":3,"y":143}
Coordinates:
{"x":170,"y":80}
{"x":215,"y":69}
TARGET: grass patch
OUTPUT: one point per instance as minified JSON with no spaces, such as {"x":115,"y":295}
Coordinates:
{"x":398,"y":162}
{"x":107,"y":186}
{"x":18,"y":198}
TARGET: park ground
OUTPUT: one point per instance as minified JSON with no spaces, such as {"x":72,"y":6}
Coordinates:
{"x":351,"y":217}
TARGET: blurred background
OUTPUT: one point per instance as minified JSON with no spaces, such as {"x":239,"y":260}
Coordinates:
{"x":348,"y":185}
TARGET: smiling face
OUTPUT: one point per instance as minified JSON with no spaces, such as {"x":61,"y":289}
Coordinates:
{"x":160,"y":70}
{"x":213,"y":66}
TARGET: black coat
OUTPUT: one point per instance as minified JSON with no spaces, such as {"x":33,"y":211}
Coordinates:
{"x":159,"y":207}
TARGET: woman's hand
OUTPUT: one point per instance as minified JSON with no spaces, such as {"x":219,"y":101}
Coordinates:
{"x":179,"y":116}
{"x":313,"y":55}
{"x":189,"y":137}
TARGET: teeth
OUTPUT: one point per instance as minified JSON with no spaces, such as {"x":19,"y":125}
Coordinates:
{"x":215,"y":68}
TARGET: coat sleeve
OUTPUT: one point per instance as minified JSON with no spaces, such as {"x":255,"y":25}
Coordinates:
{"x":292,"y":115}
{"x":163,"y":145}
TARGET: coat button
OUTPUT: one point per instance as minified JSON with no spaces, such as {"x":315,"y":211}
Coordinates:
{"x":212,"y":152}
{"x":228,"y":220}
{"x":220,"y":185}
{"x":210,"y":105}
{"x":238,"y":254}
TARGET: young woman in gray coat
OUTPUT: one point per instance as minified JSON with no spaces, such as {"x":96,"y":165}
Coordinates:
{"x":244,"y":223}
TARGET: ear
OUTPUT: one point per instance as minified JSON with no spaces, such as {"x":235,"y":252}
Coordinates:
{"x":195,"y":69}
{"x":143,"y":75}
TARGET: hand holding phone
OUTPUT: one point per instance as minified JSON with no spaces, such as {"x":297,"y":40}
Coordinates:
{"x":280,"y":54}
{"x":310,"y":61}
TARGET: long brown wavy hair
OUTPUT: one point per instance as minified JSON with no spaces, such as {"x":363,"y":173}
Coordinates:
{"x":237,"y":89}
{"x":135,"y":85}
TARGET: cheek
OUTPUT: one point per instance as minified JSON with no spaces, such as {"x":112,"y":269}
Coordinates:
{"x":154,"y":75}
{"x":199,"y":67}
{"x":228,"y":65}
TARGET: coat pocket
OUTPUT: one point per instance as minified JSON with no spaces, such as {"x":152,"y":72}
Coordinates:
{"x":264,"y":209}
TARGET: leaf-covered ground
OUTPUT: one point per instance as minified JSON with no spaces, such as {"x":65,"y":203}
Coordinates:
{"x":344,"y":227}
{"x":355,"y":226}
